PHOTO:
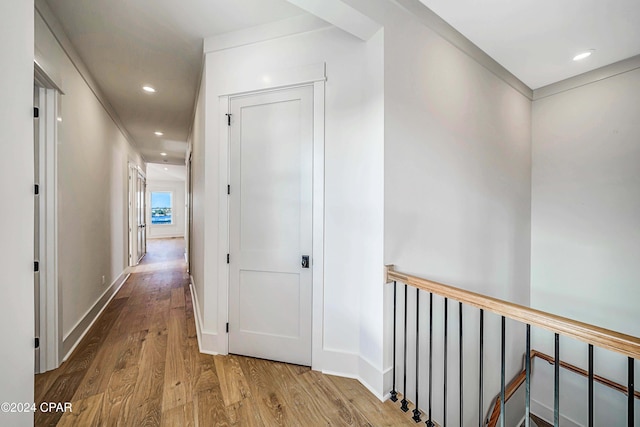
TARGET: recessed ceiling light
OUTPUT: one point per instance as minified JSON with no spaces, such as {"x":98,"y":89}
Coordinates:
{"x":158,"y":133}
{"x":583,"y":55}
{"x":148,"y":89}
{"x":163,"y":154}
{"x":59,"y":119}
{"x":166,"y":169}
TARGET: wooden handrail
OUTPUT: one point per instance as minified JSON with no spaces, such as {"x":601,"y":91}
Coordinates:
{"x":521,"y":377}
{"x":597,"y":378}
{"x":626,"y":345}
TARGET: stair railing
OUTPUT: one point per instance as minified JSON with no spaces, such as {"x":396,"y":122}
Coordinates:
{"x":626,"y":345}
{"x":521,"y":377}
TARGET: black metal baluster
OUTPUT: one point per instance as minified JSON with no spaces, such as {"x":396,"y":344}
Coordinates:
{"x":416,"y":411}
{"x":630,"y":397}
{"x":446,"y":311}
{"x":527,"y":387}
{"x":480,"y":398}
{"x":394,"y":393}
{"x":590,"y":385}
{"x":430,"y":422}
{"x":502,"y":369}
{"x":556,"y":385}
{"x":404,"y":401}
{"x":461,"y":381}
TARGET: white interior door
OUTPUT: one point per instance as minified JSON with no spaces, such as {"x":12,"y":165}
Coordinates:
{"x":36,"y":224}
{"x":140,"y":215}
{"x":137,"y":216}
{"x":270,"y":288}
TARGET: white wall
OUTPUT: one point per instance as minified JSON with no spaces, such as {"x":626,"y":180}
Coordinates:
{"x":586,"y":228}
{"x":198,"y":181}
{"x":92,"y":192}
{"x":177,"y":228}
{"x":16,"y":223}
{"x":353,"y":164}
{"x":456,"y":162}
{"x":457,"y":191}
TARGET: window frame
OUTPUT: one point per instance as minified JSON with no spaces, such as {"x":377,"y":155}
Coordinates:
{"x":151,"y":208}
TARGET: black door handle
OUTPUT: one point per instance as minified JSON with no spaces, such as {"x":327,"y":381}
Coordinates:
{"x":305,"y":261}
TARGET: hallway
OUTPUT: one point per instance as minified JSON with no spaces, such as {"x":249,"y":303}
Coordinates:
{"x":140,"y":365}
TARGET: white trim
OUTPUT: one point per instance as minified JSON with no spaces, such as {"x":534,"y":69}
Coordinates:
{"x":374,"y":379}
{"x":338,"y":362}
{"x":222,"y":292}
{"x":589,"y":77}
{"x":260,"y":33}
{"x":352,"y":365}
{"x":50,"y":313}
{"x":343,"y":16}
{"x":268,"y":80}
{"x":42,"y":77}
{"x":80,"y":329}
{"x":453,"y":36}
{"x":315,"y":76}
{"x":317,"y":308}
{"x":205,"y":339}
{"x":54,"y":25}
{"x":133,"y":170}
{"x":546,"y":413}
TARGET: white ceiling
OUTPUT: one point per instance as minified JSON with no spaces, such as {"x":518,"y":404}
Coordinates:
{"x":129,"y":43}
{"x":162,"y":172}
{"x":536,"y":40}
{"x":126,"y":44}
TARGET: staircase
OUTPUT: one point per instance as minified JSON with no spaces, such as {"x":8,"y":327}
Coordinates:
{"x":443,"y":343}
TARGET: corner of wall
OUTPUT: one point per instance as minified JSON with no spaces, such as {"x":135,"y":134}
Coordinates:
{"x":208,"y":342}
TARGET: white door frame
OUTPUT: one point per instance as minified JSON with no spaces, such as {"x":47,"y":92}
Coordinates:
{"x":188,"y":208}
{"x":50,"y":312}
{"x":133,"y":171}
{"x":309,"y":76}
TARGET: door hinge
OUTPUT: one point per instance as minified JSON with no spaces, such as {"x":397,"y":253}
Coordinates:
{"x":36,"y":189}
{"x":228,"y":258}
{"x":36,"y":112}
{"x":37,"y":342}
{"x":228,"y":119}
{"x":227,"y":327}
{"x":228,"y":189}
{"x":36,"y":266}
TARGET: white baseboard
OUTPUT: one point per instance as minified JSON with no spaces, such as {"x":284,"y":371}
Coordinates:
{"x":80,"y":329}
{"x":165,"y":236}
{"x":352,"y":365}
{"x":339,"y":363}
{"x":334,"y":362}
{"x":206,"y":340}
{"x":546,"y":414}
{"x":378,"y":382}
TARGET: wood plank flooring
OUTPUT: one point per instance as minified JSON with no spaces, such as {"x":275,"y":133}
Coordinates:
{"x":139,"y":365}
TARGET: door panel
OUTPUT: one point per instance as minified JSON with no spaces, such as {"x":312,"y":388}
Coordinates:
{"x":36,"y":224}
{"x":140,"y":216}
{"x":271,"y":224}
{"x":137,"y":216}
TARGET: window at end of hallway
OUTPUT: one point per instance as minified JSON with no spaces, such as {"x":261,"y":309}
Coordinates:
{"x":161,"y":207}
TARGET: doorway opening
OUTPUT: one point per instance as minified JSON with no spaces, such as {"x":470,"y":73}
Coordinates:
{"x":48,"y":314}
{"x":137,"y":215}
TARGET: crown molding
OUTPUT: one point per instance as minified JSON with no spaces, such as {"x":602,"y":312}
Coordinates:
{"x":589,"y":77}
{"x":54,"y":25}
{"x":453,"y":36}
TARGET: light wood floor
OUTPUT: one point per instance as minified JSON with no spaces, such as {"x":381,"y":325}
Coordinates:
{"x":139,"y":365}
